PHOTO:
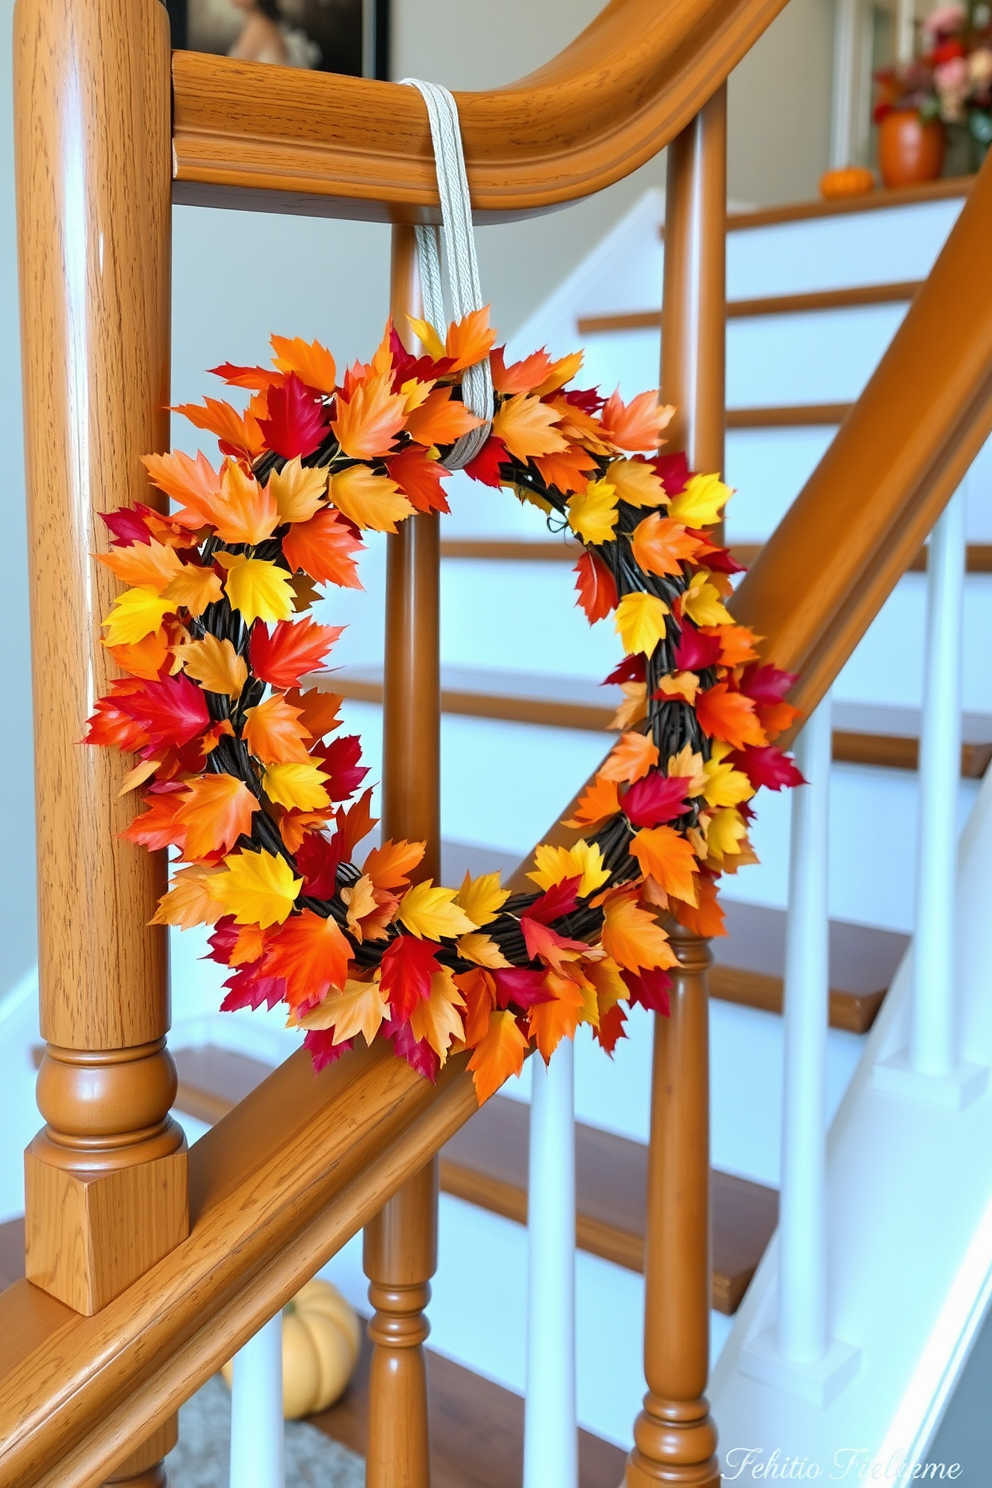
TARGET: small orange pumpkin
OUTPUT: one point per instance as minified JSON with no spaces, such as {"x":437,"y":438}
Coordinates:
{"x":847,"y":180}
{"x":321,"y":1339}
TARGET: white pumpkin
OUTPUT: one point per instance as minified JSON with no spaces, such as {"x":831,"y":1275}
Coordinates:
{"x":321,"y":1339}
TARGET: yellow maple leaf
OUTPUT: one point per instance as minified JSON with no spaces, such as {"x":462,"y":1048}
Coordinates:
{"x":257,"y":888}
{"x":369,"y":500}
{"x":583,"y":860}
{"x":430,"y":912}
{"x":259,"y":590}
{"x":358,"y":1008}
{"x":437,"y":1018}
{"x":150,"y":565}
{"x":689,"y":766}
{"x":298,"y":493}
{"x":592,"y":513}
{"x":482,"y":898}
{"x":190,"y":899}
{"x":702,"y":501}
{"x":702,"y":603}
{"x":194,"y":587}
{"x":725,"y":832}
{"x":681,"y":685}
{"x":640,"y":622}
{"x":427,"y":336}
{"x":136,"y":614}
{"x":722,"y":784}
{"x":481,"y":949}
{"x":636,"y":483}
{"x":296,"y":785}
{"x":215,"y":665}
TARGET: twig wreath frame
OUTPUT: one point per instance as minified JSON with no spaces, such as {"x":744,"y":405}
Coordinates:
{"x":242,"y":770}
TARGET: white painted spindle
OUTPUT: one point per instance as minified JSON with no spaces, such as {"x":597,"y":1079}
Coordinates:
{"x":256,"y":1410}
{"x":931,"y":1046}
{"x":550,"y":1430}
{"x":802,"y":1314}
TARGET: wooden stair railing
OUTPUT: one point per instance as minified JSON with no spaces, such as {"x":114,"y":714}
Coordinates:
{"x":302,"y":1163}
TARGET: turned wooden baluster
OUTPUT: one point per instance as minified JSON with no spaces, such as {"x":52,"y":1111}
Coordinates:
{"x":674,"y":1435}
{"x":401,"y":1242}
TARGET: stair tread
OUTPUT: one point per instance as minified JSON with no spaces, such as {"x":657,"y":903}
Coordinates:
{"x":477,"y":1429}
{"x":864,"y":733}
{"x":485,"y":1163}
{"x":816,"y":300}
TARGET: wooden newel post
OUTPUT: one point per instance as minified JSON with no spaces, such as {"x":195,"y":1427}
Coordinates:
{"x":106,"y":1178}
{"x":675,"y":1439}
{"x":401,"y":1242}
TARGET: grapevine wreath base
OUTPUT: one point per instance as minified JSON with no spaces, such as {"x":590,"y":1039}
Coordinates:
{"x":241,"y":769}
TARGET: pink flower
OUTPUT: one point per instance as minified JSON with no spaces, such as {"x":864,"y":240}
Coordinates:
{"x":952,"y":76}
{"x":945,"y":20}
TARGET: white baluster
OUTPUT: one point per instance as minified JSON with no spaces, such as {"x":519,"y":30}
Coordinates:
{"x":256,"y":1410}
{"x":800,"y":1355}
{"x":550,"y":1431}
{"x":930,"y":1068}
{"x":802,"y":1312}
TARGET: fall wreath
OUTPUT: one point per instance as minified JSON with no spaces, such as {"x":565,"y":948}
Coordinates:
{"x":244,"y":775}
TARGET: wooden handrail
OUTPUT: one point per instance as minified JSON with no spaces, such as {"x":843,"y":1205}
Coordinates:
{"x":276,"y":1188}
{"x":901,"y":452}
{"x":276,"y":139}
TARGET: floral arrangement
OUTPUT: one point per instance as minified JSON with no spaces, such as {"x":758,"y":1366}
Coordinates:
{"x":952,"y":78}
{"x":244,"y":774}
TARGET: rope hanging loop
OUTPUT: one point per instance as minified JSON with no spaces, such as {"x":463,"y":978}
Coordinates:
{"x":458,"y":237}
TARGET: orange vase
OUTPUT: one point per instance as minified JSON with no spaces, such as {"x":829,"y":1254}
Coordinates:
{"x":910,"y":150}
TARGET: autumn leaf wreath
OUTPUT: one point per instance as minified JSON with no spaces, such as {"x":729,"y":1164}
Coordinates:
{"x":242,"y":772}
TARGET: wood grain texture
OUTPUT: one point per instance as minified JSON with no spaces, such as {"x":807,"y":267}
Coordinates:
{"x":400,"y":1242}
{"x":902,"y":450}
{"x":476,"y":1430}
{"x":270,"y":138}
{"x":276,"y":1188}
{"x":499,"y":550}
{"x":106,"y":1180}
{"x":792,"y":416}
{"x":792,"y":304}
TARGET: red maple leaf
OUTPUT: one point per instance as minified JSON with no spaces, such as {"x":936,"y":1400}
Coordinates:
{"x":674,"y":472}
{"x":595,"y":587}
{"x":340,"y":759}
{"x":417,"y":1052}
{"x":223,"y":940}
{"x":407,"y":967}
{"x":172,"y":711}
{"x":292,"y":648}
{"x":297,"y":421}
{"x":561,"y":899}
{"x":650,"y":988}
{"x":520,"y":985}
{"x":248,"y":988}
{"x":128,"y":525}
{"x":485,"y":467}
{"x":654,"y":799}
{"x":317,"y":859}
{"x":766,"y":765}
{"x":610,"y":1028}
{"x":631,"y":669}
{"x":696,"y":651}
{"x":766,"y":684}
{"x":322,"y":1048}
{"x":419,"y":477}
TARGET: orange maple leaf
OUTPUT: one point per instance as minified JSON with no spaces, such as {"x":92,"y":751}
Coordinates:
{"x":322,"y":547}
{"x":632,"y":936}
{"x":440,"y":419}
{"x":519,"y":377}
{"x":369,"y":420}
{"x":736,"y":643}
{"x":239,"y":430}
{"x":469,"y":339}
{"x":274,"y":733}
{"x":153,"y":564}
{"x":215,"y":811}
{"x":318,"y":709}
{"x":194,"y":588}
{"x":189,"y":900}
{"x":729,"y":716}
{"x":498,"y":1055}
{"x":637,"y":425}
{"x":659,"y":545}
{"x":667,"y":857}
{"x":568,"y":470}
{"x":479,"y":991}
{"x":630,"y":758}
{"x":312,"y":954}
{"x":705,"y":918}
{"x":598,"y":801}
{"x":144,"y":658}
{"x":157,"y":827}
{"x":527,"y":427}
{"x":312,"y":363}
{"x":390,"y":866}
{"x":550,"y":1022}
{"x":192,"y":482}
{"x":242,"y":511}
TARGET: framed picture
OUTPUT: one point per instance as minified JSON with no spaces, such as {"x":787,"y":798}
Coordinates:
{"x":349,"y":36}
